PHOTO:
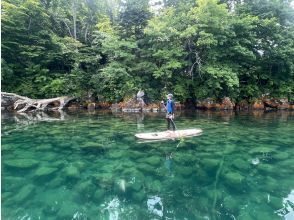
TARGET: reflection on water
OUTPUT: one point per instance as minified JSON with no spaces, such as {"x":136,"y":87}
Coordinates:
{"x":88,"y":165}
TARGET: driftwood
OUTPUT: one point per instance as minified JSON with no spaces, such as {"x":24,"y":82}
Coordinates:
{"x":24,"y":104}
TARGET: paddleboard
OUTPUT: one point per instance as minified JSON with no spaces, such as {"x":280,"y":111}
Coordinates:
{"x":164,"y":135}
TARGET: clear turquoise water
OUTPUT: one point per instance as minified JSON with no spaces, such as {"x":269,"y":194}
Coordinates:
{"x":90,"y":166}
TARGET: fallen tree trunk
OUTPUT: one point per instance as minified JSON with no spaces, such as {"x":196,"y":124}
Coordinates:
{"x":24,"y":104}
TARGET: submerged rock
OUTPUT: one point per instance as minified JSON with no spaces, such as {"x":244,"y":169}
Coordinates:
{"x":210,"y":164}
{"x":234,"y":180}
{"x":24,"y":193}
{"x":146,"y":168}
{"x":241,"y":164}
{"x":153,"y":160}
{"x":138,"y":196}
{"x":21,"y":163}
{"x":45,"y":171}
{"x":98,"y":195}
{"x":86,"y":187}
{"x":263,"y":149}
{"x":266,"y":168}
{"x":68,"y":211}
{"x":91,"y":144}
{"x":231,"y":204}
{"x":72,"y":172}
{"x":281,"y":156}
{"x":275,"y":202}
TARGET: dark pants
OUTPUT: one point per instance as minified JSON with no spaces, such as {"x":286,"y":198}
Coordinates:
{"x":170,"y":123}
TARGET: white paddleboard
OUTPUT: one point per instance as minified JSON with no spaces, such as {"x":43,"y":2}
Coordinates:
{"x":169,"y":134}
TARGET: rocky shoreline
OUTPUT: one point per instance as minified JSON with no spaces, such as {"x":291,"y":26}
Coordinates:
{"x":206,"y":104}
{"x":137,"y":104}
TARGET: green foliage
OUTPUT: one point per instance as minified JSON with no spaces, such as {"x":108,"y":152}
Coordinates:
{"x":112,"y":49}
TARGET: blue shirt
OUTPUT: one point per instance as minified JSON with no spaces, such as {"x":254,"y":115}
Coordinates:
{"x":170,"y":106}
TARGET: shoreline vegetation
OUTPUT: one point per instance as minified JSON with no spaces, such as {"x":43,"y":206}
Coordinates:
{"x":103,"y":52}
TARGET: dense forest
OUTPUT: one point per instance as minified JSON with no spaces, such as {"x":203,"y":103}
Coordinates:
{"x":110,"y":49}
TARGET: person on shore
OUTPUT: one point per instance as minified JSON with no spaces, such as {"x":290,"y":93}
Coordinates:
{"x":170,"y":108}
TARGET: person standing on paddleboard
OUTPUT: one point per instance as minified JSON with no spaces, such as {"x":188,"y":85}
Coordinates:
{"x":170,"y":107}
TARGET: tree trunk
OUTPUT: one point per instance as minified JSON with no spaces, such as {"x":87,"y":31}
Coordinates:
{"x":74,"y":15}
{"x":24,"y":104}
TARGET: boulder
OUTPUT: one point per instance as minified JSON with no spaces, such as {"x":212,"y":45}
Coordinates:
{"x":206,"y":104}
{"x":138,"y":196}
{"x":98,"y":195}
{"x":234,"y":180}
{"x":72,"y":172}
{"x":226,"y":104}
{"x":24,"y":193}
{"x":45,"y":171}
{"x":68,"y":211}
{"x":21,"y":163}
{"x":243,"y":105}
{"x":91,"y":106}
{"x":153,"y":160}
{"x":270,"y":103}
{"x":241,"y":165}
{"x":258,"y":105}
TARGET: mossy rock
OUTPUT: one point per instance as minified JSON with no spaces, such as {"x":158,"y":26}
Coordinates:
{"x":271,"y":185}
{"x":156,"y":186}
{"x":24,"y":193}
{"x":44,"y":147}
{"x":185,"y":158}
{"x":116,"y":154}
{"x":146,"y":168}
{"x":231,"y":204}
{"x":210,"y":164}
{"x":136,"y":154}
{"x":214,"y":193}
{"x":153,"y":160}
{"x":21,"y":163}
{"x":45,"y":171}
{"x":263,"y":149}
{"x":276,"y":203}
{"x":234,"y":180}
{"x":241,"y":164}
{"x":98,"y":195}
{"x":136,"y":186}
{"x":185,"y":171}
{"x":86,"y":187}
{"x":10,"y":183}
{"x":91,"y":145}
{"x":56,"y":182}
{"x":245,"y":216}
{"x":138,"y":196}
{"x":72,"y":172}
{"x":67,"y":211}
{"x":281,"y":156}
{"x":266,"y":168}
{"x":103,"y":180}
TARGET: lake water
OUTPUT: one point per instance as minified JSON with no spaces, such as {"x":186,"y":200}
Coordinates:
{"x":89,"y":165}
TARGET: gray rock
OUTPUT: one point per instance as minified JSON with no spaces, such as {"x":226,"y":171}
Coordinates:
{"x":45,"y":171}
{"x":21,"y":163}
{"x":24,"y":193}
{"x":72,"y":172}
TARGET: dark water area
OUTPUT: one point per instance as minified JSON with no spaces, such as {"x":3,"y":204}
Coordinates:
{"x":89,"y":165}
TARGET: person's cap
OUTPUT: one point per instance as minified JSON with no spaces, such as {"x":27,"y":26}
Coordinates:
{"x":170,"y":95}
